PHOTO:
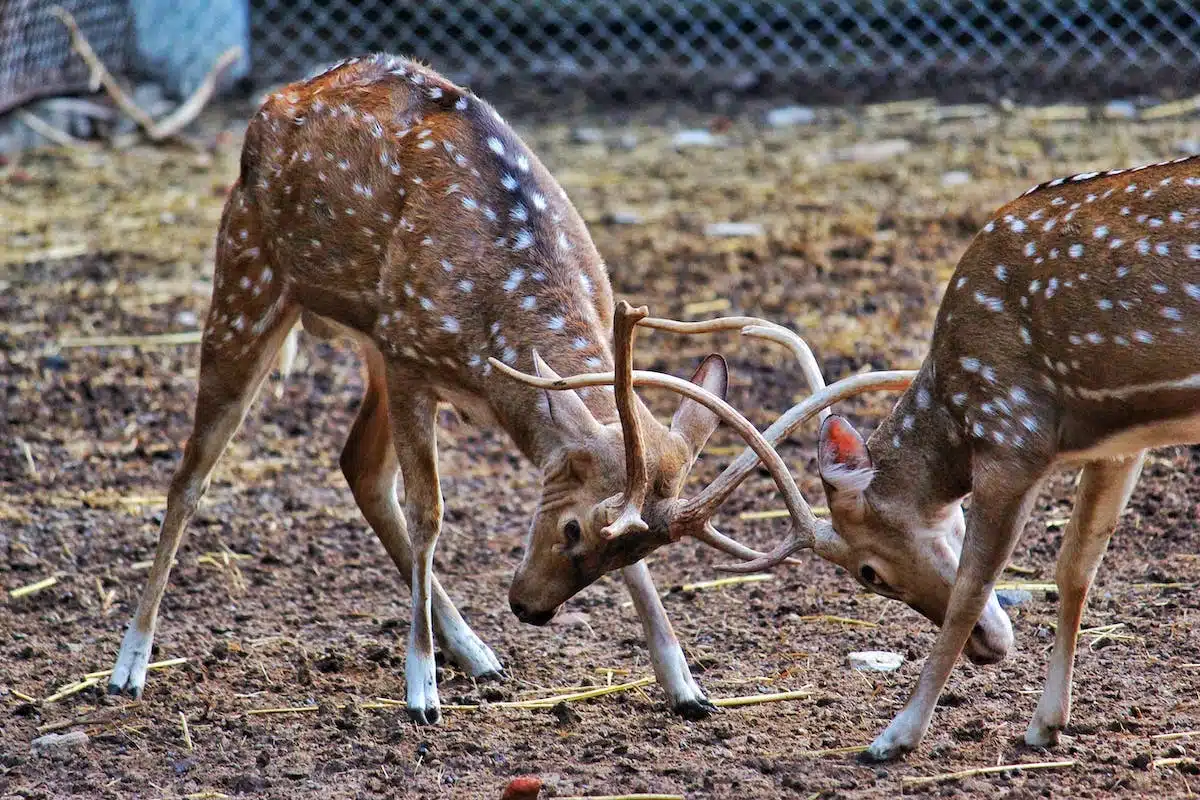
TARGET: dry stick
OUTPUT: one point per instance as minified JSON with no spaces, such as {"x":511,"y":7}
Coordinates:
{"x":170,"y":662}
{"x":971,"y":773}
{"x":22,"y":696}
{"x":27,"y":451}
{"x":834,"y":751}
{"x":624,"y":797}
{"x":187,"y":735}
{"x":286,"y":710}
{"x":152,"y":340}
{"x":172,"y":123}
{"x":757,"y":699}
{"x":720,"y":583}
{"x":839,"y":620}
{"x":1161,"y":737}
{"x":32,"y":588}
{"x":74,"y":688}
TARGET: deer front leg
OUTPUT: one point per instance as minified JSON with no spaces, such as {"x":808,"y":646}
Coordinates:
{"x":999,"y":508}
{"x":370,"y":465}
{"x":685,"y":697}
{"x":1103,"y":492}
{"x":415,"y":435}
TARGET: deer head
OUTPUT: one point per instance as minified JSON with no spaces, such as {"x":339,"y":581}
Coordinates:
{"x":611,"y":494}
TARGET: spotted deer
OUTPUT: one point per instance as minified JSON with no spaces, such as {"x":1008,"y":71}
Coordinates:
{"x":1067,"y":336}
{"x":386,"y":204}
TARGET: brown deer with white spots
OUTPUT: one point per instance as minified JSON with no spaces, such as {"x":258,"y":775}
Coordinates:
{"x":1067,"y":335}
{"x":383,"y":203}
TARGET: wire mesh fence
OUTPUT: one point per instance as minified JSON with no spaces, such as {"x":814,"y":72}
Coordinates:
{"x":825,"y":49}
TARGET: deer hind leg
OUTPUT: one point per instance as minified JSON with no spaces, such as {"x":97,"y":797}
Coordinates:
{"x":413,"y":419}
{"x":685,"y":697}
{"x":999,"y":507}
{"x":1103,"y":492}
{"x":370,"y":466}
{"x":241,"y":339}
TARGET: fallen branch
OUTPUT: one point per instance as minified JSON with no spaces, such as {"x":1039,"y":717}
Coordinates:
{"x":906,"y":782}
{"x":173,"y":123}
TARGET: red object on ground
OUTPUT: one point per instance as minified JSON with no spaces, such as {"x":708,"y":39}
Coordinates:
{"x":525,"y":787}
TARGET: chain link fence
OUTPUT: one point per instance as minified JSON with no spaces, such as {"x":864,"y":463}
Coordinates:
{"x":821,"y":50}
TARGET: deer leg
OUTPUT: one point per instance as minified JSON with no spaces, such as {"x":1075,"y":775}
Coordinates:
{"x":999,"y":507}
{"x":237,"y":352}
{"x":415,"y":435}
{"x":685,"y":697}
{"x":1103,"y":492}
{"x":369,"y":463}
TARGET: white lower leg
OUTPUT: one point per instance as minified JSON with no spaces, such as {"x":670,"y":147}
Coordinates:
{"x":459,"y":642}
{"x":129,"y":673}
{"x":666,"y":655}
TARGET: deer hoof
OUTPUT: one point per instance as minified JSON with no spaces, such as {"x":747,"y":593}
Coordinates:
{"x":425,"y":716}
{"x":696,"y":708}
{"x":884,"y":749}
{"x":1045,"y":736}
{"x":129,"y":673}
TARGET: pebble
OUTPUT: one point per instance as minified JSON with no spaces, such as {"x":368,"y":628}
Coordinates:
{"x":956,"y":177}
{"x":881,"y":150}
{"x":1120,"y":109}
{"x":717,"y":229}
{"x":627,"y":140}
{"x":58,"y":743}
{"x":623,"y":218}
{"x":1011,"y":598}
{"x":587,"y":136}
{"x":790,"y":115}
{"x":876,"y":661}
{"x":697,"y":137}
{"x":187,"y":319}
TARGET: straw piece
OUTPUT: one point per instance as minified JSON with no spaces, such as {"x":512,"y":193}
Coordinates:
{"x":834,"y":751}
{"x":906,"y":782}
{"x":286,"y":710}
{"x":720,"y":583}
{"x":1161,"y":737}
{"x":32,"y":588}
{"x":22,"y":696}
{"x":758,"y":699}
{"x":1176,"y":109}
{"x":778,"y":513}
{"x":187,"y":735}
{"x":150,"y":340}
{"x":74,"y":688}
{"x":1171,"y":762}
{"x":839,"y":620}
{"x":206,"y":795}
{"x":624,"y":797}
{"x":1031,"y":586}
{"x":170,"y":662}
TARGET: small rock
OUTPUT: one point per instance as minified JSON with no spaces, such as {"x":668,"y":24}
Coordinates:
{"x":1120,"y":109}
{"x":525,"y":787}
{"x":790,"y":115}
{"x":1011,"y":598}
{"x":1188,"y":147}
{"x":565,"y":715}
{"x":876,"y":661}
{"x":956,"y":177}
{"x":587,"y":136}
{"x":186,"y":319}
{"x":869,"y":152}
{"x":627,"y":140}
{"x":717,"y":229}
{"x":623,"y":218}
{"x":53,"y":744}
{"x":697,"y":137}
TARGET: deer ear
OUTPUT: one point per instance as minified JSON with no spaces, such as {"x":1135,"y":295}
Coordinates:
{"x":842,"y":457}
{"x":566,"y":407}
{"x":692,"y":421}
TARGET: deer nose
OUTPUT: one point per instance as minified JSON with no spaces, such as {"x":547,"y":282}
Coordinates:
{"x":530,"y":617}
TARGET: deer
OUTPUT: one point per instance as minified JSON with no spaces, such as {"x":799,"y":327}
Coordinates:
{"x":1065,"y":338}
{"x":379,"y":202}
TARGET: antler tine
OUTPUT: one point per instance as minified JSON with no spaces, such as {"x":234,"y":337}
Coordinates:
{"x":757,"y":328}
{"x":629,"y":517}
{"x":712,"y":537}
{"x":705,"y":504}
{"x":684,"y":521}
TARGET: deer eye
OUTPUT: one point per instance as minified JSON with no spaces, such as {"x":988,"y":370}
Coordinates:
{"x":870,"y":576}
{"x":571,"y":533}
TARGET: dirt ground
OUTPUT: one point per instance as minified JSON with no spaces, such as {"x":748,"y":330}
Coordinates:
{"x":282,"y":597}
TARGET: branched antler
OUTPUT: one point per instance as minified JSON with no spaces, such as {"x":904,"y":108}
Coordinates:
{"x":628,"y":505}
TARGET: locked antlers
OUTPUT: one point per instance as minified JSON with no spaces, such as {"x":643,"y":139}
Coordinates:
{"x":691,"y":516}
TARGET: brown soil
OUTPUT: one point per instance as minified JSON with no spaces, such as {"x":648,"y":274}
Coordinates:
{"x":855,"y":255}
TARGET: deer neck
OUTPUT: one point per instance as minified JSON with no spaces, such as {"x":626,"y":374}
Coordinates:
{"x":919,"y":452}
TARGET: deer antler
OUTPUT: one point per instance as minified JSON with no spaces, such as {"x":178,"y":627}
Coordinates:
{"x":804,"y":524}
{"x":629,"y":515}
